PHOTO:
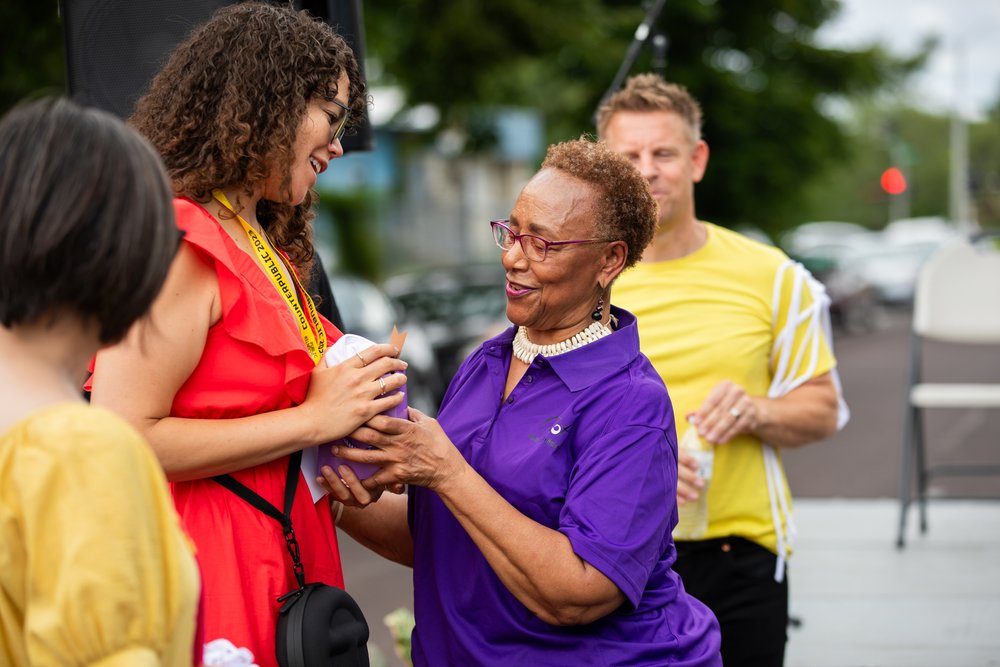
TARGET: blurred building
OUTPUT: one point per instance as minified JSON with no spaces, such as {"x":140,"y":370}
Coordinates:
{"x":433,"y":192}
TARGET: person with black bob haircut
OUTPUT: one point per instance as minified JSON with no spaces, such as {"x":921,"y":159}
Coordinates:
{"x":83,"y":219}
{"x":94,"y":567}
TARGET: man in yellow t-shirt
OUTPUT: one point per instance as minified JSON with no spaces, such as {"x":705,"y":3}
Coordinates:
{"x":740,"y":336}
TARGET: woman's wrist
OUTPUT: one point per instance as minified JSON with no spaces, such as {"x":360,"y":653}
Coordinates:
{"x":451,"y":476}
{"x":306,"y":434}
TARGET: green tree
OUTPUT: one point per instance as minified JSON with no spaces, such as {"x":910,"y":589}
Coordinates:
{"x":32,"y":49}
{"x":925,"y":138}
{"x":753,"y":64}
{"x":849,"y":189}
{"x":984,"y":158}
{"x":877,"y":138}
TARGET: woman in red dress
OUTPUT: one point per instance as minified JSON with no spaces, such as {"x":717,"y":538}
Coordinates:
{"x":227,"y":375}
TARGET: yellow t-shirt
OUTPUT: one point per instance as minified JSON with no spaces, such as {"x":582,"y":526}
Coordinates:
{"x":94,"y":568}
{"x":711,"y":316}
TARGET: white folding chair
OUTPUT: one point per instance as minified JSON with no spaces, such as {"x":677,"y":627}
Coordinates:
{"x":957,"y":300}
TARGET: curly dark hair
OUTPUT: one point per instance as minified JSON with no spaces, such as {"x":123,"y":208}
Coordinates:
{"x":227,"y":105}
{"x":624,"y":209}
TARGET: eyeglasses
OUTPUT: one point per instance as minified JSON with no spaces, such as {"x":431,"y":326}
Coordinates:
{"x":535,"y":247}
{"x":342,"y":125}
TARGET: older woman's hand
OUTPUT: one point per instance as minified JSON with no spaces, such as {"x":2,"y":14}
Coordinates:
{"x":345,"y":487}
{"x":414,"y":452}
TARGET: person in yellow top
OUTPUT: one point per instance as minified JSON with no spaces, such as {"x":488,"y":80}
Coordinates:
{"x":740,"y":335}
{"x":94,"y":569}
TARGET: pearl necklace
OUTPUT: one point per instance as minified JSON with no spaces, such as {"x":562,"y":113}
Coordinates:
{"x":526,"y":351}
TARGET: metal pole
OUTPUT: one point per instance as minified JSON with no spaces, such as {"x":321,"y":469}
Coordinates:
{"x":641,"y":35}
{"x":958,"y":144}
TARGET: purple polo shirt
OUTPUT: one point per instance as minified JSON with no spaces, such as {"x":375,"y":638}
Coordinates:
{"x":585,"y":445}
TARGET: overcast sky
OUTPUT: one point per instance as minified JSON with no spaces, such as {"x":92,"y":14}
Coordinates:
{"x":964,"y":71}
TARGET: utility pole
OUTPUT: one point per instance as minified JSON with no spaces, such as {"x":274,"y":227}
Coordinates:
{"x":896,"y":179}
{"x":958,"y":142}
{"x":899,"y":204}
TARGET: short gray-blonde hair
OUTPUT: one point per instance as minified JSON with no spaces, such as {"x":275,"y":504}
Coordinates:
{"x":649,"y":92}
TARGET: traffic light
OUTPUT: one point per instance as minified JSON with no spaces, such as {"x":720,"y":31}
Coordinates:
{"x":893,"y":181}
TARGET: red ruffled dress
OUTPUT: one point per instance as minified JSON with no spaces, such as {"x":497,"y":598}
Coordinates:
{"x":254,"y":361}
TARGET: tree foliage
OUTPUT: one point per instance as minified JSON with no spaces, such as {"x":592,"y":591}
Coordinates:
{"x":753,"y":64}
{"x":879,"y":137}
{"x":919,"y":143}
{"x":984,"y":156}
{"x":32,"y":61}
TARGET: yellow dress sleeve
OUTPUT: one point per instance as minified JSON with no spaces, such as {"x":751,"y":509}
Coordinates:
{"x":110,"y":578}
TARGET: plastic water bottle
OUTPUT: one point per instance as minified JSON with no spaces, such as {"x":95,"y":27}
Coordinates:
{"x":692,"y":516}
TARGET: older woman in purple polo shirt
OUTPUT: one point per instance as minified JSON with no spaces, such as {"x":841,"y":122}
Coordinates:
{"x":542,"y":499}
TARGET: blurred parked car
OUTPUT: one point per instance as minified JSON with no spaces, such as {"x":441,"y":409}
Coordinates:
{"x":828,"y":249}
{"x":930,"y":230}
{"x":368,"y":312}
{"x":458,"y":307}
{"x":889,"y":260}
{"x":855,"y":262}
{"x":811,"y":236}
{"x":854,"y":303}
{"x":893,"y":267}
{"x":904,"y":245}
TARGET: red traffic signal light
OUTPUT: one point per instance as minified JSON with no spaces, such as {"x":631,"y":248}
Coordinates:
{"x":893,"y":181}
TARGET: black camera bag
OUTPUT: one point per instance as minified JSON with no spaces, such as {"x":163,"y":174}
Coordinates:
{"x":318,"y":625}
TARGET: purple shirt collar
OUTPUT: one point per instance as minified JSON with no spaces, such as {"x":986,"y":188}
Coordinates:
{"x":605,"y":357}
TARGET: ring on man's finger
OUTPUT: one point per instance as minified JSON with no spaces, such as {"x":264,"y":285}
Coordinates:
{"x":363,"y":362}
{"x":735,"y":413}
{"x":381,"y":384}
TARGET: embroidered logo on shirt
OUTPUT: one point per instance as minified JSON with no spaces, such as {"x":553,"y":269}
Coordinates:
{"x":550,"y":439}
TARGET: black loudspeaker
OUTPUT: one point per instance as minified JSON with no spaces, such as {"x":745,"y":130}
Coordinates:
{"x":114,"y":47}
{"x":346,"y":18}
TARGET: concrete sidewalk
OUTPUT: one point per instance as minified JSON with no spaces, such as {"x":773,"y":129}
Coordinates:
{"x":862,"y":602}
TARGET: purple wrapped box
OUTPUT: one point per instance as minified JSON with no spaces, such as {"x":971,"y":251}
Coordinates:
{"x":345,"y":348}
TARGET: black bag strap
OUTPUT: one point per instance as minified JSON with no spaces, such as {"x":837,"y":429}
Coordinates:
{"x":284,"y":518}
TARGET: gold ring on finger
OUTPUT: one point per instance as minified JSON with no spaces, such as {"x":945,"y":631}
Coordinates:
{"x":381,"y":384}
{"x":363,"y":362}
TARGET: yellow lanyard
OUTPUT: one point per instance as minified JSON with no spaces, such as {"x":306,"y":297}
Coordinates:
{"x":310,"y":328}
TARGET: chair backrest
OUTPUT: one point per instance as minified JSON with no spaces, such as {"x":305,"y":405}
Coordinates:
{"x":957,"y":296}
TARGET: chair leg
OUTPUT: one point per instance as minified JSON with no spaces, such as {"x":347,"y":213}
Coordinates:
{"x":905,"y":474}
{"x":921,"y":460}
